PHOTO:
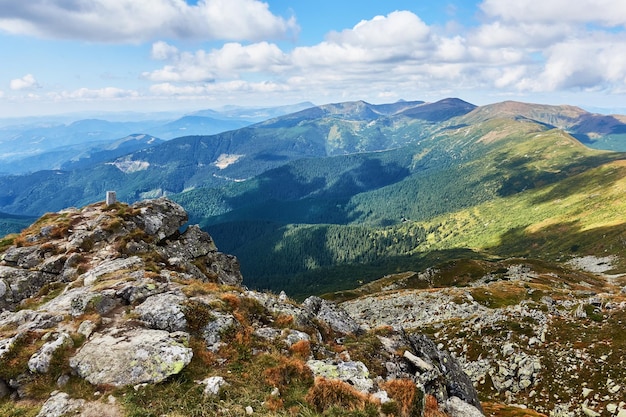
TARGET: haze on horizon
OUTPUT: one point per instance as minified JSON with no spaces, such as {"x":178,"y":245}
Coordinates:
{"x":172,"y":55}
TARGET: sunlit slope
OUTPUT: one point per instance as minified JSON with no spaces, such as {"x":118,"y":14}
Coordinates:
{"x":495,"y":189}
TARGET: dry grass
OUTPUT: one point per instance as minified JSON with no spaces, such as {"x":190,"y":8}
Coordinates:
{"x":232,"y":300}
{"x":196,"y":287}
{"x":328,"y":393}
{"x":301,"y":349}
{"x":404,"y":393}
{"x":284,"y":321}
{"x":287,"y":372}
{"x":431,"y":407}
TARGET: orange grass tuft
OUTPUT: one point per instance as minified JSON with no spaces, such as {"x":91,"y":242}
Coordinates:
{"x":301,"y":349}
{"x":327,"y":393}
{"x":431,"y":407}
{"x":288,"y":370}
{"x":403,"y":392}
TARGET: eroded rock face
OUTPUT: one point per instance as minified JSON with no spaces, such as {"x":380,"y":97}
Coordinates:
{"x":132,"y":356}
{"x":446,"y":377}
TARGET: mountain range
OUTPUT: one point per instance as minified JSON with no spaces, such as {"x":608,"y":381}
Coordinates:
{"x":321,"y":198}
{"x":34,"y":144}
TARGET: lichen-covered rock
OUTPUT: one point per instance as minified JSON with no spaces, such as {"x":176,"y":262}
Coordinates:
{"x":456,"y":407}
{"x":212,"y":332}
{"x":109,"y":267}
{"x":213,"y":385}
{"x":224,"y":267}
{"x":331,"y":314}
{"x":24,"y":320}
{"x":60,"y":404}
{"x":160,"y":217}
{"x":193,"y":243}
{"x":40,"y":361}
{"x":131,"y":356}
{"x":163,"y":312}
{"x":19,"y":284}
{"x":353,"y":372}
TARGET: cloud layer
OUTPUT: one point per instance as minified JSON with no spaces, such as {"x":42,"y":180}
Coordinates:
{"x":399,"y":52}
{"x":143,"y":20}
{"x":516,"y":48}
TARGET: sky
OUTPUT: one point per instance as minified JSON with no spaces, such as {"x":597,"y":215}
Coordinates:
{"x":61,"y":56}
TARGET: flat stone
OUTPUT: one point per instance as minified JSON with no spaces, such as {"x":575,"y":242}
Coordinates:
{"x":122,"y":357}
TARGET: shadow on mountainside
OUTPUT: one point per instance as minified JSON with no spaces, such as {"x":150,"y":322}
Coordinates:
{"x":562,"y":240}
{"x":287,"y":196}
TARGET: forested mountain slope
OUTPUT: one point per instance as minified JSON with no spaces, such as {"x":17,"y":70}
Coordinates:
{"x":496,"y":188}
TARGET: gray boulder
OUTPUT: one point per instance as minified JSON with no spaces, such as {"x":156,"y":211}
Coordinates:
{"x":456,"y":407}
{"x":122,"y":357}
{"x":354,"y":373}
{"x":17,"y":284}
{"x":447,"y":378}
{"x":163,"y":312}
{"x":160,"y":217}
{"x":60,"y":404}
{"x":193,"y":243}
{"x":212,"y":332}
{"x":110,"y":266}
{"x":213,"y":385}
{"x":331,"y":314}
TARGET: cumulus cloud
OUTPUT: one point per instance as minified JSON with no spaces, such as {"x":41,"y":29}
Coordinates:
{"x":27,"y":82}
{"x":399,"y":54}
{"x":203,"y":66}
{"x":141,"y":20}
{"x":513,"y":50}
{"x":603,"y":12}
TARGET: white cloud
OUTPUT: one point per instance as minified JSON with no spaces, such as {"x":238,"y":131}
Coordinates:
{"x":603,"y":12}
{"x":140,"y":20}
{"x":594,"y":63}
{"x":162,"y":51}
{"x":27,"y":82}
{"x":395,"y":56}
{"x":202,"y":66}
{"x":96,"y":94}
{"x":397,"y":28}
{"x":520,"y":35}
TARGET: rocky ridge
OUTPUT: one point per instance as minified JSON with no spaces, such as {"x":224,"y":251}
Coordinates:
{"x":115,"y":310}
{"x":548,"y":339}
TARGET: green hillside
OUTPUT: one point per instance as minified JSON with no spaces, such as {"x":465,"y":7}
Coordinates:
{"x":502,"y":187}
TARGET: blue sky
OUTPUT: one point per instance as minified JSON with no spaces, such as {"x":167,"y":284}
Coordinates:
{"x":63,"y":56}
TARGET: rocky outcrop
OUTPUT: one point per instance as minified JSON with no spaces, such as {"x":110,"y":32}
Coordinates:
{"x":109,"y":260}
{"x":112,"y":296}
